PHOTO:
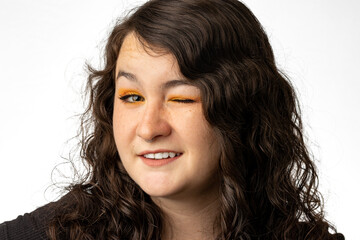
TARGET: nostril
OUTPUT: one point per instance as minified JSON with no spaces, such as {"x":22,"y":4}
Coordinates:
{"x":149,"y":140}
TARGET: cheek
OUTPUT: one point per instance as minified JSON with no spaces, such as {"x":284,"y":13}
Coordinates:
{"x":118,"y":123}
{"x":197,"y":128}
{"x":199,"y":135}
{"x":123,"y":128}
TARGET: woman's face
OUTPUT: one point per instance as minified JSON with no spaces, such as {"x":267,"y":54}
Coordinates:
{"x":164,"y":142}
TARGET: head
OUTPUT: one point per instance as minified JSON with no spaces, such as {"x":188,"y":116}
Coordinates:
{"x":222,"y":53}
{"x":243,"y":109}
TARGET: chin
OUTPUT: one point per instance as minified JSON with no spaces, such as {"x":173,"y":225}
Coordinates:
{"x":157,"y":184}
{"x":158,"y":190}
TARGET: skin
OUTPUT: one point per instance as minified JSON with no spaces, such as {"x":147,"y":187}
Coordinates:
{"x":153,"y":113}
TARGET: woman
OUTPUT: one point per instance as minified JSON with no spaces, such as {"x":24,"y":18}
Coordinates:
{"x":191,"y":133}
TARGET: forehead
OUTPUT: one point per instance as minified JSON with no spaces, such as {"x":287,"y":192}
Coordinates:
{"x":138,"y":57}
{"x":131,"y":43}
{"x":132,"y":46}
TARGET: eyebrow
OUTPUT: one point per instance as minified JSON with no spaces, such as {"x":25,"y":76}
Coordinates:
{"x":127,"y":75}
{"x":166,"y":85}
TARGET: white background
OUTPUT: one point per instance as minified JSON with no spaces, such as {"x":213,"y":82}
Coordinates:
{"x":43,"y":47}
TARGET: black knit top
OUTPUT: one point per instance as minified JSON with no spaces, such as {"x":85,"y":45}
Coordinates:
{"x":32,"y":226}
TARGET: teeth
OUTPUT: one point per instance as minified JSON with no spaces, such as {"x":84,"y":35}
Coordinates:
{"x":150,"y":155}
{"x":161,"y":155}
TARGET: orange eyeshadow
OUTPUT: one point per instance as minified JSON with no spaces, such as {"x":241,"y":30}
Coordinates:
{"x":125,"y":91}
{"x":179,"y":97}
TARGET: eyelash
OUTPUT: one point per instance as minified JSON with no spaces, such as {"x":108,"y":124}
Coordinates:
{"x":183,"y":100}
{"x":126,"y":97}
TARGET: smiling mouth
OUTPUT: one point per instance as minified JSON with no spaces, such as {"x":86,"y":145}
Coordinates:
{"x":161,"y":155}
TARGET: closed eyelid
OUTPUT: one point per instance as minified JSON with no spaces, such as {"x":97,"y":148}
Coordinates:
{"x":181,"y":98}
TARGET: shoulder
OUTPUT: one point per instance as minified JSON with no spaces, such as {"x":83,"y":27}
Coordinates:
{"x":35,"y":225}
{"x":28,"y":226}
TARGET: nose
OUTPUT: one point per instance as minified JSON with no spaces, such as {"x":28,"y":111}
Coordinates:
{"x":153,"y":123}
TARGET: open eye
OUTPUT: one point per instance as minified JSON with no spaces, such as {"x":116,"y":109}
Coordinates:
{"x":132,"y":98}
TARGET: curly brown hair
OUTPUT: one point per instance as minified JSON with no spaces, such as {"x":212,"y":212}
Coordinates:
{"x":268,"y":180}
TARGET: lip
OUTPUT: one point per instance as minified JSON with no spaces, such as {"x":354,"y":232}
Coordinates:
{"x":158,"y":162}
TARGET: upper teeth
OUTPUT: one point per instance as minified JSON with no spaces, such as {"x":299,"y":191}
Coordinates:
{"x":161,"y":155}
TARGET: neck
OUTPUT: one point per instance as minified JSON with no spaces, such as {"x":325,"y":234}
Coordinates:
{"x":190,"y":219}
